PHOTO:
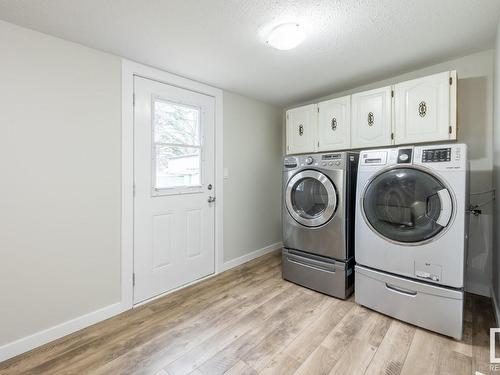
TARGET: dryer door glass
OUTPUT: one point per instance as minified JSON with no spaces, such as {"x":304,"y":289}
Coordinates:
{"x":407,"y":205}
{"x":310,"y":198}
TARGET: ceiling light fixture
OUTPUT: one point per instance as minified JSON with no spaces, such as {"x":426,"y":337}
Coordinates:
{"x":286,"y":36}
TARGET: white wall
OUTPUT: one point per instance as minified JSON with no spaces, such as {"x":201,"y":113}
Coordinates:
{"x":60,"y":192}
{"x":252,"y":193}
{"x":60,"y":165}
{"x":475,"y":128}
{"x":496,"y":179}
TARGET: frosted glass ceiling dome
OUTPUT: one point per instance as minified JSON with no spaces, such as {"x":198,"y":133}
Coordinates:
{"x":286,"y":36}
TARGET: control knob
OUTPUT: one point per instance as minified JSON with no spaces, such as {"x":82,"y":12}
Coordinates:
{"x":309,"y":160}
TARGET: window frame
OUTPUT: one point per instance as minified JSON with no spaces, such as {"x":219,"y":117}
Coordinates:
{"x":184,"y":189}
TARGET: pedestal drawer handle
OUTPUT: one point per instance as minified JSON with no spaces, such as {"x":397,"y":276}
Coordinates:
{"x":404,"y":291}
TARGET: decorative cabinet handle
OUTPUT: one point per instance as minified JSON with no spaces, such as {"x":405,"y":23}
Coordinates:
{"x":422,"y":109}
{"x":334,"y":124}
{"x":301,"y":129}
{"x":371,"y":119}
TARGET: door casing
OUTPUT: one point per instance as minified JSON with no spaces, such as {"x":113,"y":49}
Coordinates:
{"x":129,"y":70}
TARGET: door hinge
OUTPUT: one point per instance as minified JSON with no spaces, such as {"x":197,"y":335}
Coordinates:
{"x":392,"y":93}
{"x":318,"y":109}
{"x":133,"y":279}
{"x":450,"y":129}
{"x":392,"y":136}
{"x":451,"y":81}
{"x":318,"y":144}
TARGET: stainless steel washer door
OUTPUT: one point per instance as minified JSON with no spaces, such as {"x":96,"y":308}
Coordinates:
{"x":311,"y":198}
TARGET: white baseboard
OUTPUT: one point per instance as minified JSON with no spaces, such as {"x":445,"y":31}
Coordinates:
{"x":50,"y":334}
{"x":495,"y":307}
{"x":37,"y":339}
{"x":250,"y":256}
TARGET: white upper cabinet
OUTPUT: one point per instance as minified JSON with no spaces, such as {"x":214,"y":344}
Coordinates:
{"x":417,"y":111}
{"x":371,"y":124}
{"x":301,"y":129}
{"x":425,"y":109}
{"x":334,"y":124}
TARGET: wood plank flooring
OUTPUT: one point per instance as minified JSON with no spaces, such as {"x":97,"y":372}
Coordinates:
{"x":249,"y":321}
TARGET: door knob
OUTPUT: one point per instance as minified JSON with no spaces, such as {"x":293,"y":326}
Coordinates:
{"x":211,"y":199}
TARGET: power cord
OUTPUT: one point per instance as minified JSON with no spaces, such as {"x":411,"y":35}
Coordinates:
{"x":475,"y":209}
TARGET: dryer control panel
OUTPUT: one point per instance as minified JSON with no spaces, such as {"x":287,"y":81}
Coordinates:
{"x":327,"y":161}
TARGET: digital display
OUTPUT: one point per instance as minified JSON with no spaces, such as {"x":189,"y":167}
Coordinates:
{"x":331,"y":156}
{"x":436,"y":155}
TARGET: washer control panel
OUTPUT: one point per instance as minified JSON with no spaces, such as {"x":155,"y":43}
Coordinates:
{"x":404,"y":155}
{"x":441,"y":157}
{"x":436,"y":155}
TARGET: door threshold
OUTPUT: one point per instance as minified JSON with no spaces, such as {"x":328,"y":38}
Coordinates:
{"x":209,"y":276}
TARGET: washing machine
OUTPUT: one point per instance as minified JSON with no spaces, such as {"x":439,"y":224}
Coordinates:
{"x":318,"y":221}
{"x":411,"y":234}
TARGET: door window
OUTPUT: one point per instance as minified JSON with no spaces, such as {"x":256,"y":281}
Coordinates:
{"x":177,"y":146}
{"x":404,"y":205}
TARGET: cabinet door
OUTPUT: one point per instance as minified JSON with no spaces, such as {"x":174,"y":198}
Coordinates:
{"x":334,"y":124}
{"x":422,"y":109}
{"x":301,"y":129}
{"x":371,"y":124}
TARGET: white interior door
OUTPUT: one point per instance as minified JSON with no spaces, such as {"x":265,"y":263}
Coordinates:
{"x":174,"y":214}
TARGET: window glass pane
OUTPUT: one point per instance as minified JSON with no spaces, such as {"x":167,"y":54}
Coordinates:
{"x":177,"y":124}
{"x":177,"y":166}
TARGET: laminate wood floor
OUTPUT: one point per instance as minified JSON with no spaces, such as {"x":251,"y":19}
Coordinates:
{"x":249,"y":321}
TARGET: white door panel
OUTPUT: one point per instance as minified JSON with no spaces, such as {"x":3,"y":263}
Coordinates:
{"x":334,"y":124}
{"x":174,"y":223}
{"x":371,"y":124}
{"x":422,"y":109}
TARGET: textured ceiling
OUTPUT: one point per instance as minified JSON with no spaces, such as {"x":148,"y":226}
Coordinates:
{"x":349,"y":42}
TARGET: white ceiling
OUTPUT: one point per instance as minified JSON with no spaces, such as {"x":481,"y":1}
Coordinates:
{"x":221,"y":42}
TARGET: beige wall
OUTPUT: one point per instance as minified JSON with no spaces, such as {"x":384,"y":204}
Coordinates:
{"x":252,"y":193}
{"x":60,"y":165}
{"x":475,"y":128}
